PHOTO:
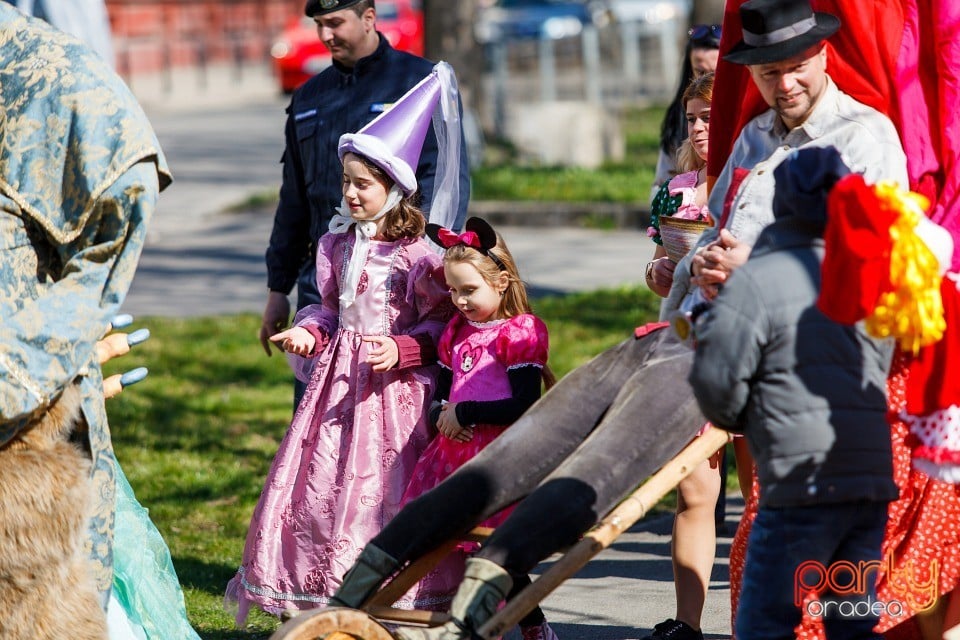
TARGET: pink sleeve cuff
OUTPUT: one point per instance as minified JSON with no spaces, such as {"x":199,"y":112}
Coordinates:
{"x":415,"y":351}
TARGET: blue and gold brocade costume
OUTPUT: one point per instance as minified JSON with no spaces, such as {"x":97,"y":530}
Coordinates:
{"x":80,"y":172}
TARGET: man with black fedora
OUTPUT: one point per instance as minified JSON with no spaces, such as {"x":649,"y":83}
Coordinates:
{"x":784,"y":48}
{"x":365,"y":77}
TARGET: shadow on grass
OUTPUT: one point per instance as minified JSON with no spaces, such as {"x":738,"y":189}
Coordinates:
{"x":536,"y":292}
{"x":209,"y":577}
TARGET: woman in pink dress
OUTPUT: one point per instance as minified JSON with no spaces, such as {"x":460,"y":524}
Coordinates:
{"x":493,"y":356}
{"x":342,"y":467}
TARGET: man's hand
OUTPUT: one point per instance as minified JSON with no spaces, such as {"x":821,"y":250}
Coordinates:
{"x":384,"y":355}
{"x":276,"y":316}
{"x":715,"y":262}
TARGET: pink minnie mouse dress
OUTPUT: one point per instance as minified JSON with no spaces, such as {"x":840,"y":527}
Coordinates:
{"x":479,"y":357}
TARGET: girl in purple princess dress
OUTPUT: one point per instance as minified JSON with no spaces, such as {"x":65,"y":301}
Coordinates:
{"x":493,"y":356}
{"x":349,"y":453}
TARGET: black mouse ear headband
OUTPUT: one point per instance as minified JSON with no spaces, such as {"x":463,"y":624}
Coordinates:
{"x":478,"y":235}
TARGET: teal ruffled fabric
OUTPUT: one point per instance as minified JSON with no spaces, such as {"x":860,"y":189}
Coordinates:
{"x":144,"y":580}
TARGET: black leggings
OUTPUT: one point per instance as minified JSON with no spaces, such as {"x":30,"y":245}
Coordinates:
{"x":535,"y":617}
{"x":573,"y":455}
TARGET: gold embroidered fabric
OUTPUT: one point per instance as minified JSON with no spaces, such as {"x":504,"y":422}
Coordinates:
{"x":80,"y":171}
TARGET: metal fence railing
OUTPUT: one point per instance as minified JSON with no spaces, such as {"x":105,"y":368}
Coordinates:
{"x":615,"y":65}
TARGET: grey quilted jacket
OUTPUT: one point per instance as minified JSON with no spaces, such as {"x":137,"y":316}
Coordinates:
{"x":808,"y":393}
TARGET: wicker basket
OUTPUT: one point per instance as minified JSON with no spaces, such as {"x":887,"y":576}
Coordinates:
{"x":679,"y":235}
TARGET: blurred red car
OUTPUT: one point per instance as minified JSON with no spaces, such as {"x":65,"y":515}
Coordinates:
{"x":298,"y":53}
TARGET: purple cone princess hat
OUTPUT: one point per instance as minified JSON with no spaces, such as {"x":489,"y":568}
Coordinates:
{"x":394,"y":139}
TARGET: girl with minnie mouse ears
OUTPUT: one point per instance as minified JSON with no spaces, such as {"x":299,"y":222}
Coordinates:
{"x":493,"y":356}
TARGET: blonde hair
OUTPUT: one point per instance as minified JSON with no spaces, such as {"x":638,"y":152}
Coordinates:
{"x":403,"y":221}
{"x":514,"y":301}
{"x":699,"y":88}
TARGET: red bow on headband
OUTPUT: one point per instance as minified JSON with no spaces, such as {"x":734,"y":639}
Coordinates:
{"x":449,"y":239}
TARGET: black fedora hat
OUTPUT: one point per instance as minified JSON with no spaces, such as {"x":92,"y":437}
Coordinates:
{"x":320,"y":7}
{"x":775,"y":30}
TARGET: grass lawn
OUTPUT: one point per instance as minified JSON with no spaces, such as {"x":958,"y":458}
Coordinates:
{"x":196,"y":438}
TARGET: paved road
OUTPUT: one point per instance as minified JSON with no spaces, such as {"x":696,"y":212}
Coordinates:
{"x":628,"y":588}
{"x":210,"y":263}
{"x":223,"y":145}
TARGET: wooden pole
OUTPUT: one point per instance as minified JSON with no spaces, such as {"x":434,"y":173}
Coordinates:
{"x":363,"y":625}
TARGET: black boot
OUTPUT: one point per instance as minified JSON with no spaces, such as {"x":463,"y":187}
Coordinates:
{"x":372,"y":567}
{"x":484,"y":586}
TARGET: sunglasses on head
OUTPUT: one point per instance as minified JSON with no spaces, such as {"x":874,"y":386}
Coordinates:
{"x":705,"y":32}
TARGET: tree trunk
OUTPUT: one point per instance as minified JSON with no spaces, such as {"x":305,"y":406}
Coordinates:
{"x":448,"y":36}
{"x":707,"y":11}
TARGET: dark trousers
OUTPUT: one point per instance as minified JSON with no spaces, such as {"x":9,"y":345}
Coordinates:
{"x":793,"y":549}
{"x":592,"y":438}
{"x":306,"y":294}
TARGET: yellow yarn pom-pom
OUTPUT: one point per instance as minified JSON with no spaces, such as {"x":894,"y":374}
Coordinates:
{"x":912,"y":312}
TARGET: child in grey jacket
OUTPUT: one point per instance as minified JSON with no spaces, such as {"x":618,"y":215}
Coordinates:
{"x":810,"y":396}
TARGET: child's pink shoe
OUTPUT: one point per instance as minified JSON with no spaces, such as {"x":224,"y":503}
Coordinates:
{"x":540,"y":632}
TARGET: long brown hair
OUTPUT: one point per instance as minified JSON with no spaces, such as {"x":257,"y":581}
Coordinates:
{"x":514,"y":301}
{"x":403,"y":221}
{"x":702,"y":88}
